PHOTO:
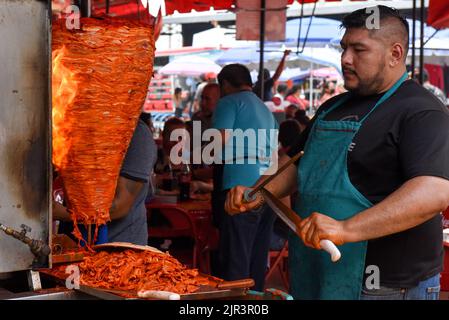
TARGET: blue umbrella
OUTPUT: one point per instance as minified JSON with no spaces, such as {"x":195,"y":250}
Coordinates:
{"x":322,"y":30}
{"x":246,"y":55}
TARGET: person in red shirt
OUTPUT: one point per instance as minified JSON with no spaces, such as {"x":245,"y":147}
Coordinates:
{"x":294,"y":97}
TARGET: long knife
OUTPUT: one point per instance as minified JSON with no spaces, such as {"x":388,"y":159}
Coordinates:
{"x":250,"y":194}
{"x":292,"y":220}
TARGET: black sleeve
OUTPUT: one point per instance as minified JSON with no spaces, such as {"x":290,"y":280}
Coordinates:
{"x":424,"y":144}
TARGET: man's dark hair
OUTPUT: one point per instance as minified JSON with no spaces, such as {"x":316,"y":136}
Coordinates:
{"x":293,"y":90}
{"x":358,"y":19}
{"x":266,"y":74}
{"x":301,"y":117}
{"x":236,"y":74}
{"x":145,"y":117}
{"x":282,"y":88}
{"x":169,"y":124}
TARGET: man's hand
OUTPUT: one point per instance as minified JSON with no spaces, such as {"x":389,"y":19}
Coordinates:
{"x":319,"y":227}
{"x":235,"y":201}
{"x":287,"y":52}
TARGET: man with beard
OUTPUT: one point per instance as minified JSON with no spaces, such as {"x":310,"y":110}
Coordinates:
{"x":373,"y":178}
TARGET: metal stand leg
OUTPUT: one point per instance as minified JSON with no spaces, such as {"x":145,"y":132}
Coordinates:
{"x":34,"y":280}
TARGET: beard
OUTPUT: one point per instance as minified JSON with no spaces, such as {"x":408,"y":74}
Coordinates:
{"x":369,"y":86}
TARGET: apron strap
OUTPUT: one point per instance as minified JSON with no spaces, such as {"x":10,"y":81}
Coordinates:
{"x":386,"y":95}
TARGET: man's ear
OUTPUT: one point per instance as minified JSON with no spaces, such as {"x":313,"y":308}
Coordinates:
{"x":397,"y":54}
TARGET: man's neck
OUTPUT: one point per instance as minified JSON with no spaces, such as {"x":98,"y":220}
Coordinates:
{"x":391,"y":82}
{"x":240,"y":89}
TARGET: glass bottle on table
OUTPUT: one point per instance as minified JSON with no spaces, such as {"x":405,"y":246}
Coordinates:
{"x":185,"y":177}
{"x":168,"y":179}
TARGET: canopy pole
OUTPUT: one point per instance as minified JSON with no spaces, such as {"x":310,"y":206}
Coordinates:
{"x":413,"y":39}
{"x":85,"y":8}
{"x":311,"y":89}
{"x":421,"y":48}
{"x":262,"y":48}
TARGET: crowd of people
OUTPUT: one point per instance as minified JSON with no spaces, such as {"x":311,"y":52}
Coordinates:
{"x":373,"y":179}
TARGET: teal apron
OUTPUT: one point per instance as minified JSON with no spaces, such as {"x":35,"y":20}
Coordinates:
{"x":324,"y":187}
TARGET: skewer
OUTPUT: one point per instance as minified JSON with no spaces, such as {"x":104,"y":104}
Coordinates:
{"x":253,"y":192}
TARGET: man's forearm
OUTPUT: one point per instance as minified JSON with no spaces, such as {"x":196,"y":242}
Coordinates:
{"x":125,"y":194}
{"x":417,"y":201}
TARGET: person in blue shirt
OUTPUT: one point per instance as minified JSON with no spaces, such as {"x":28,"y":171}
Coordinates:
{"x":128,"y":213}
{"x":244,"y":239}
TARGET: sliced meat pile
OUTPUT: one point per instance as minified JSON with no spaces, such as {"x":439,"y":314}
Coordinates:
{"x":99,"y":83}
{"x":134,"y":271}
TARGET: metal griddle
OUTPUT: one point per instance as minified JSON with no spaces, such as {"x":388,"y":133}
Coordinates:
{"x":222,"y":290}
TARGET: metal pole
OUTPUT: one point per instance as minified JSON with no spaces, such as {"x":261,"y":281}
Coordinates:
{"x":107,"y":6}
{"x":311,"y":89}
{"x":413,"y":39}
{"x":85,"y":8}
{"x":262,"y":48}
{"x":421,"y":48}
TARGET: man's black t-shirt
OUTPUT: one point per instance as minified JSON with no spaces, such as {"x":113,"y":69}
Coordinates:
{"x":405,"y":137}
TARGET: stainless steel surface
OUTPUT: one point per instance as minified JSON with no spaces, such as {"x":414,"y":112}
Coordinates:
{"x":24,"y":126}
{"x":50,"y":294}
{"x":204,"y":293}
{"x":101,"y":294}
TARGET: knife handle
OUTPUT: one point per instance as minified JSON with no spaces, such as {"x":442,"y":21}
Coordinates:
{"x":332,"y":249}
{"x":156,"y":294}
{"x":243,"y":283}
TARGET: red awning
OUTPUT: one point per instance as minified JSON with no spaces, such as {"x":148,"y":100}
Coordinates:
{"x":438,"y":15}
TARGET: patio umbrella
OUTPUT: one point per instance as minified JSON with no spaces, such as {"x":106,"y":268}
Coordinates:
{"x":322,"y":31}
{"x":246,"y":55}
{"x":190,"y":66}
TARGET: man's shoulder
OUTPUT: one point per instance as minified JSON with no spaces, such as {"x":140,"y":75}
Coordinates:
{"x":143,"y":129}
{"x":413,"y":98}
{"x":142,"y":140}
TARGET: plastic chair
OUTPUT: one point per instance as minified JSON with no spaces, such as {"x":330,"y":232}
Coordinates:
{"x":182,"y":223}
{"x":210,"y":245}
{"x":278,"y":261}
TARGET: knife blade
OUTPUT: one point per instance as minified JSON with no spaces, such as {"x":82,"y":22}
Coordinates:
{"x":292,"y":220}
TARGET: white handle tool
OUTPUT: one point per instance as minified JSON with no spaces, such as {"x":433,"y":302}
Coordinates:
{"x":331,"y":248}
{"x":156,"y":294}
{"x":292,"y":220}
